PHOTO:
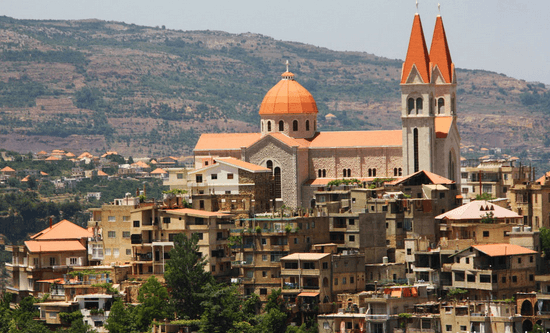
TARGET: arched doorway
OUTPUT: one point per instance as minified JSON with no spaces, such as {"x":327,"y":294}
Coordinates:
{"x":527,"y":325}
{"x":526,"y":308}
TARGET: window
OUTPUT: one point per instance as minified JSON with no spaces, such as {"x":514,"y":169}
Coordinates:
{"x":514,"y":279}
{"x":325,"y":265}
{"x":336,"y":281}
{"x":214,"y":176}
{"x":111,"y":234}
{"x":394,"y":172}
{"x":128,"y":252}
{"x":179,"y":175}
{"x":201,"y":204}
{"x":440,"y":105}
{"x":351,"y":279}
{"x":531,"y":259}
{"x":463,"y":327}
{"x":73,"y":261}
{"x":116,"y":253}
{"x":295,"y":240}
{"x":531,"y":277}
{"x":448,"y":328}
{"x":198,"y":178}
{"x":467,"y":260}
{"x":409,"y":252}
{"x":264,"y":273}
{"x":136,"y":224}
{"x":269,"y":126}
{"x":503,"y":279}
{"x":281,"y":126}
{"x":441,"y":195}
{"x":374,"y":172}
{"x":519,"y":260}
{"x":410,"y":105}
{"x":264,"y":241}
{"x":307,"y":125}
{"x":107,"y":252}
{"x":125,"y":234}
{"x":486,"y":234}
{"x":264,"y":257}
{"x":324,"y":173}
{"x":111,"y":219}
{"x":351,"y":221}
{"x":485,"y":278}
{"x":351,"y":238}
{"x":295,"y":125}
{"x":229,"y":176}
{"x":415,"y":150}
{"x":126,"y":219}
{"x":319,"y":173}
{"x":263,"y":291}
{"x":200,"y":235}
{"x":344,"y":281}
{"x":418,"y":105}
{"x":471,"y":278}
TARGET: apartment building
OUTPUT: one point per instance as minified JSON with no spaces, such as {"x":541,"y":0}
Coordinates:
{"x":479,"y":316}
{"x":261,"y":242}
{"x":532,"y":200}
{"x":493,"y":271}
{"x":47,"y":255}
{"x":494,"y":177}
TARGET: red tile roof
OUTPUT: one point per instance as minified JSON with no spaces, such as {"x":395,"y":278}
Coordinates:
{"x":476,"y":210}
{"x":443,"y":126}
{"x":417,"y":54}
{"x":226,"y":141}
{"x":545,"y":179}
{"x":434,"y":178}
{"x":288,"y":97}
{"x":439,"y":52}
{"x":54,"y":246}
{"x":158,"y":171}
{"x":7,"y":169}
{"x":62,"y":230}
{"x":496,"y":250}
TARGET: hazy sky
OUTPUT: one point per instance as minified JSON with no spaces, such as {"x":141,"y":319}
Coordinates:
{"x":506,"y":36}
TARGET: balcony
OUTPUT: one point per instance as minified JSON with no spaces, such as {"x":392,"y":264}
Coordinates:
{"x":302,"y":272}
{"x":377,"y":317}
{"x":242,"y":263}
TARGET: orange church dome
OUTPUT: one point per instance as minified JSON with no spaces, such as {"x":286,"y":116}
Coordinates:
{"x":288,"y":97}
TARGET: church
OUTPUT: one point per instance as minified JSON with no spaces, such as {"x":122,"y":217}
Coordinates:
{"x":303,"y":159}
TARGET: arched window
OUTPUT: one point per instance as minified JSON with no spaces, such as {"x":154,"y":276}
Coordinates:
{"x":344,"y":173}
{"x":262,"y":126}
{"x":281,"y":125}
{"x":269,"y":126}
{"x":295,"y":125}
{"x":394,"y":172}
{"x":451,"y":166}
{"x":370,"y":172}
{"x":324,"y":173}
{"x":415,"y":149}
{"x":419,"y":105}
{"x":349,"y":172}
{"x":374,"y":172}
{"x":320,"y":173}
{"x":307,"y":125}
{"x":410,"y":105}
{"x":277,"y":174}
{"x":440,"y":106}
{"x":431,"y":105}
{"x":400,"y":172}
{"x":269,"y":164}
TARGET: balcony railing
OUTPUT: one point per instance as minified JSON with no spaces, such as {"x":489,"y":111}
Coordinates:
{"x":377,"y":317}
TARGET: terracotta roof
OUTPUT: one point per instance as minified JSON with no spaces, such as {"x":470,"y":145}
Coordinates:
{"x":476,"y":210}
{"x":325,"y":181}
{"x":58,"y":151}
{"x":225,"y":141}
{"x":242,"y":164}
{"x":62,"y":230}
{"x":101,"y":173}
{"x":308,"y":294}
{"x":52,"y":158}
{"x":439,"y":51}
{"x":288,"y":97}
{"x":42,"y":173}
{"x":417,"y":54}
{"x":158,"y":171}
{"x":26,"y":179}
{"x":7,"y":169}
{"x":189,"y":211}
{"x":433,"y":178}
{"x":85,"y":154}
{"x":330,"y":115}
{"x":305,"y":256}
{"x":346,"y":139}
{"x":484,"y":149}
{"x":42,"y":153}
{"x":140,"y":164}
{"x":443,"y":126}
{"x":543,"y":180}
{"x":54,"y":246}
{"x":353,"y":139}
{"x":496,"y":250}
{"x":70,"y":154}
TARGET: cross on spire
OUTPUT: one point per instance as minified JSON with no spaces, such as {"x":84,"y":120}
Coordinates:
{"x":287,"y":63}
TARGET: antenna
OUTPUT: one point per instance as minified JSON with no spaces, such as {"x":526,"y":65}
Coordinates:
{"x":439,"y":8}
{"x":287,"y":63}
{"x":417,"y":6}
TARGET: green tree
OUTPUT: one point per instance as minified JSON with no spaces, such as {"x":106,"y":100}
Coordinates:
{"x":155,"y":304}
{"x":544,"y":234}
{"x":186,"y":277}
{"x":274,"y":319}
{"x":484,"y":196}
{"x":121,"y":319}
{"x":221,"y":309}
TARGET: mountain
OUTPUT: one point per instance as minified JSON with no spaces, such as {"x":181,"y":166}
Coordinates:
{"x":97,"y":85}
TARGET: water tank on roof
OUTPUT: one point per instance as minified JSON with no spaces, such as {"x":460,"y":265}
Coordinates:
{"x":528,"y":229}
{"x":516,"y":229}
{"x":385,"y":260}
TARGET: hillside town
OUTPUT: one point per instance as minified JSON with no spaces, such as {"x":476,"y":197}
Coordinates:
{"x":384,"y":231}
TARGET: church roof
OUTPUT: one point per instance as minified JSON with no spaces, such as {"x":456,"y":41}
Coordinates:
{"x":242,"y":164}
{"x":439,"y":51}
{"x":443,"y":126}
{"x":421,"y":177}
{"x":288,"y":97}
{"x":226,"y":141}
{"x":417,"y":53}
{"x":344,"y":139}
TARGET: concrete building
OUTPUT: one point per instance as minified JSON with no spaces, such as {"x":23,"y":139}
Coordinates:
{"x":532,"y":200}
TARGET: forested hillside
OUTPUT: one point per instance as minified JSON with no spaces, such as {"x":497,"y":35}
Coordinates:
{"x":96,"y":85}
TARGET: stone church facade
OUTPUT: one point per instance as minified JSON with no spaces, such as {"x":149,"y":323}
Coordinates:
{"x":303,"y":159}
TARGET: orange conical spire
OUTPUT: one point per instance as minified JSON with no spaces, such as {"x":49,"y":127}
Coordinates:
{"x":417,"y":54}
{"x":439,"y":51}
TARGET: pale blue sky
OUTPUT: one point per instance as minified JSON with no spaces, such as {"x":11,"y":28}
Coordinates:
{"x":505,"y":36}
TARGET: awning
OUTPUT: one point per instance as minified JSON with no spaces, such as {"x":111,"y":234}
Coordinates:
{"x":308,"y":294}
